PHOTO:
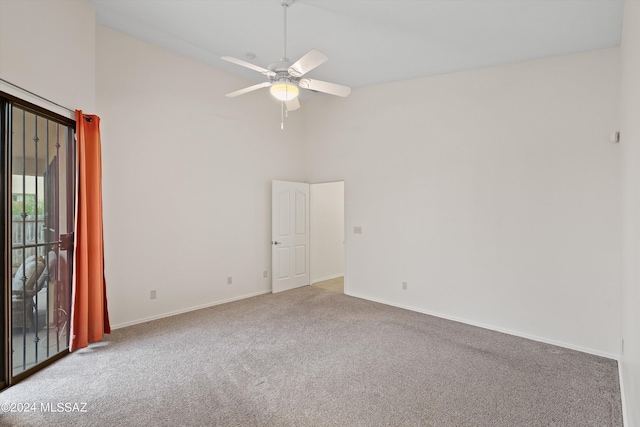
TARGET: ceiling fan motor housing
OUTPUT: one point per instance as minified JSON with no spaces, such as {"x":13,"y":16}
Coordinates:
{"x":281,"y":68}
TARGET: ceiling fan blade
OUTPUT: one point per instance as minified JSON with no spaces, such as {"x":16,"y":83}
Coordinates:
{"x":248,"y":65}
{"x":308,"y":62}
{"x":326,"y":87}
{"x":248,"y":89}
{"x":292,"y":104}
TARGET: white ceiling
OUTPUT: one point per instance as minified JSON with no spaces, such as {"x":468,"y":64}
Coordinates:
{"x":370,"y":42}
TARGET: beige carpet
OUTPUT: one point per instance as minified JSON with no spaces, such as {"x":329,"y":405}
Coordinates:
{"x":333,"y":285}
{"x":310,"y":357}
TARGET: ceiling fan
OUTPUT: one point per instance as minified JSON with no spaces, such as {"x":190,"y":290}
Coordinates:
{"x":285,"y":77}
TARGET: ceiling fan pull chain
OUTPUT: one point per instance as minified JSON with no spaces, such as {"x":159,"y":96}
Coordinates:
{"x":286,"y":108}
{"x":282,"y":116}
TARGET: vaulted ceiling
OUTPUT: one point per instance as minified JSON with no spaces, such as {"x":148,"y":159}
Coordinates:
{"x":370,"y":42}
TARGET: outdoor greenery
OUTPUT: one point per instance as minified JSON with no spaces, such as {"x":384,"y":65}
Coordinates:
{"x":29,"y":205}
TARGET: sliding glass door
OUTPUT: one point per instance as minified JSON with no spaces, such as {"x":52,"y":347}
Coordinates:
{"x":39,"y":243}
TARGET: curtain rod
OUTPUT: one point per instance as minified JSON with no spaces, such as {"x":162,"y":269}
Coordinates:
{"x":36,"y":95}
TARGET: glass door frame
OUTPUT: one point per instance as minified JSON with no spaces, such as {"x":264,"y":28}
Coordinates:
{"x":6,"y":101}
{"x":5,"y":268}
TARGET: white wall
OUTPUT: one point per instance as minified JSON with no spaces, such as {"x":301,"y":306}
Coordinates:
{"x":327,"y":231}
{"x":630,"y":145}
{"x":48,"y":47}
{"x":187,"y":179}
{"x":494,"y":193}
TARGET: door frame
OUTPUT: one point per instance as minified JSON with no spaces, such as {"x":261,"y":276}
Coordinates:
{"x":5,"y":368}
{"x":6,"y":100}
{"x":346,"y":240}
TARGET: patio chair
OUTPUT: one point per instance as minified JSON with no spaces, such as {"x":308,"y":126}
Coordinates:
{"x":30,"y":278}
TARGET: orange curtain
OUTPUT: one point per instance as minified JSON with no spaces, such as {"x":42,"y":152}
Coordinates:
{"x":89,"y":316}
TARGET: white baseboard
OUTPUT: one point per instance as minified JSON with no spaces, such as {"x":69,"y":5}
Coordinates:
{"x":335,"y":276}
{"x":186,"y":310}
{"x":491,"y":327}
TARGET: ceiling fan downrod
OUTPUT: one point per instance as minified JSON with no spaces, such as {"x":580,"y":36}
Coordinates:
{"x":284,"y":112}
{"x":285,"y":4}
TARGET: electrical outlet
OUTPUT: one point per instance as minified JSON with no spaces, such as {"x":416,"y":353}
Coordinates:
{"x":404,"y":286}
{"x":265,"y":274}
{"x":152,"y":295}
{"x":229,"y":280}
{"x":357,"y":230}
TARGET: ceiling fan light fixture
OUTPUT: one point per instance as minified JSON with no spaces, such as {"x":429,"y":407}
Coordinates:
{"x":284,"y":91}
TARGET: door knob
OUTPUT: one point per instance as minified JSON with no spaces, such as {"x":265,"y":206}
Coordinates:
{"x":275,"y":242}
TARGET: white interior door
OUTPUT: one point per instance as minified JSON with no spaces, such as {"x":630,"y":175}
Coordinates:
{"x":289,"y":235}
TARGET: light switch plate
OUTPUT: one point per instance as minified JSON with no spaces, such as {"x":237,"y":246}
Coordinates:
{"x":357,"y":230}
